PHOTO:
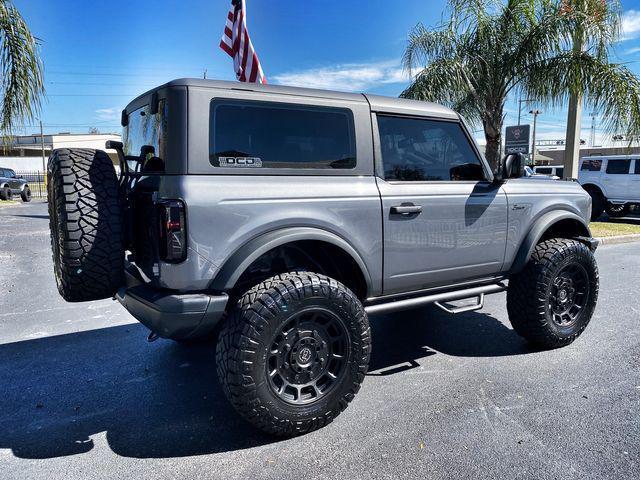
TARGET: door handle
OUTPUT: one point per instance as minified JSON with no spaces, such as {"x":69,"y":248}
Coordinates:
{"x":406,"y":209}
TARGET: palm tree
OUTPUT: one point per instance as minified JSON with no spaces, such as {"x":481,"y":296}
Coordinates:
{"x":21,"y":85}
{"x":545,"y":50}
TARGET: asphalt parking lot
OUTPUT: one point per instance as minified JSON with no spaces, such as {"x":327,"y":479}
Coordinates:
{"x":83,"y":395}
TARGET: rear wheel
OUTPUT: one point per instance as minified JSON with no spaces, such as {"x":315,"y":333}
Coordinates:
{"x":294,"y":352}
{"x":552,"y":300}
{"x":597,"y":203}
{"x":85,"y":219}
{"x":617,"y":209}
{"x":5,"y":193}
{"x":26,"y":194}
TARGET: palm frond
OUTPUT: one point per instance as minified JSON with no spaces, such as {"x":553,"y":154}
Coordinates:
{"x":21,"y":85}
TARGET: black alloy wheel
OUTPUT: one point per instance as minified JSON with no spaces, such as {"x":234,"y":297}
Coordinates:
{"x":307,"y":356}
{"x":568,"y":294}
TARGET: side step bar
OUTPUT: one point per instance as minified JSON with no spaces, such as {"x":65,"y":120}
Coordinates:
{"x":439,"y":298}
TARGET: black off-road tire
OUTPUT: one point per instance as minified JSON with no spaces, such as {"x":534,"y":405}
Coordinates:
{"x":247,"y":345}
{"x":617,"y":210}
{"x":5,"y":193}
{"x":531,"y":293}
{"x":26,"y":194}
{"x":85,"y":218}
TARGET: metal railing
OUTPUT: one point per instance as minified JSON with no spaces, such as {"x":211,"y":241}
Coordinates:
{"x":36,"y":181}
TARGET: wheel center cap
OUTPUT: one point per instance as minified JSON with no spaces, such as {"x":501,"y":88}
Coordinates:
{"x":562,"y":295}
{"x":304,"y":356}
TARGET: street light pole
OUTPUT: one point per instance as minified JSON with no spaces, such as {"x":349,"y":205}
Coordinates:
{"x":535,"y":114}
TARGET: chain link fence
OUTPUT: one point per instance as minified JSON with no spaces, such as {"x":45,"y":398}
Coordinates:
{"x":36,"y":181}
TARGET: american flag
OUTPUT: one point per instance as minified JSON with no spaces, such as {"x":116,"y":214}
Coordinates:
{"x":236,"y":42}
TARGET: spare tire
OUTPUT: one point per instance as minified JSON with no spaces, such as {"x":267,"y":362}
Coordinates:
{"x":85,"y":218}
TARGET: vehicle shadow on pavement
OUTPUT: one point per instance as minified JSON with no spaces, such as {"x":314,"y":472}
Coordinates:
{"x":401,"y":339}
{"x":158,"y":400}
{"x":152,"y":400}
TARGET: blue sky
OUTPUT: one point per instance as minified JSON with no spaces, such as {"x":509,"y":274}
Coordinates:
{"x":100,"y":54}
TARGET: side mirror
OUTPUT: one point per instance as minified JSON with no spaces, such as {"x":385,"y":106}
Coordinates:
{"x":512,"y":166}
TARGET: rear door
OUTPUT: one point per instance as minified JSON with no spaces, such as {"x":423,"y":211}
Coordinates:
{"x":444,"y":221}
{"x":616,"y":178}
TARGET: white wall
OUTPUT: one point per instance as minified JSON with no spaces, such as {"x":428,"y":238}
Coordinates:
{"x":22,"y":163}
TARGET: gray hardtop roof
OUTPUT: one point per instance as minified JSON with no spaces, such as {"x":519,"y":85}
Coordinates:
{"x":378,"y":103}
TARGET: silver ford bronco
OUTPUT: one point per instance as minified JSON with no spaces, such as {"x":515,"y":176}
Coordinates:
{"x":277,"y":219}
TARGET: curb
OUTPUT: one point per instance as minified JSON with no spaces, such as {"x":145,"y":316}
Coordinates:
{"x":634,"y":237}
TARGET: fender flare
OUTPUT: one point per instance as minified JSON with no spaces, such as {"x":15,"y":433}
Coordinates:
{"x":547,"y":220}
{"x":244,"y":256}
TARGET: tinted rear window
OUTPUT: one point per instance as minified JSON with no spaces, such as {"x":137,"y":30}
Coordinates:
{"x":146,"y":129}
{"x":273,"y":135}
{"x":543,"y":170}
{"x":637,"y":169}
{"x":618,"y":166}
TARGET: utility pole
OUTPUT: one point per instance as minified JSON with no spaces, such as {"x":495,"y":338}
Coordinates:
{"x":520,"y":102}
{"x":592,"y":137}
{"x":204,"y":75}
{"x":535,"y":114}
{"x":44,"y":167}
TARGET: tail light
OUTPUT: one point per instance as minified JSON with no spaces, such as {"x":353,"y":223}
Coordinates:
{"x":172,"y":238}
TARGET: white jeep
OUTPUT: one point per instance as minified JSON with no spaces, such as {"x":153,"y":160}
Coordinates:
{"x":613,"y":183}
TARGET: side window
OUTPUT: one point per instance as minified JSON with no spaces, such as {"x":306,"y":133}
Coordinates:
{"x":414,"y":149}
{"x":560,"y":172}
{"x":273,"y":135}
{"x":618,"y":167}
{"x":544,"y":170}
{"x":10,"y":173}
{"x":637,"y":169}
{"x":591,"y":165}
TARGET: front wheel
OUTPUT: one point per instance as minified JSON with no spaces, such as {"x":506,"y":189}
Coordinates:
{"x":293,"y":352}
{"x":552,"y":300}
{"x":26,"y":194}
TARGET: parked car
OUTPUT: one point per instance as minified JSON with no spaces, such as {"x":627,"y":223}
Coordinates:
{"x":11,"y":184}
{"x":556,"y":171}
{"x":613,"y":183}
{"x":529,"y":173}
{"x":285,"y":216}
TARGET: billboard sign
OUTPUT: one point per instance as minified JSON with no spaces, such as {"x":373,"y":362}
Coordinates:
{"x":517,"y":139}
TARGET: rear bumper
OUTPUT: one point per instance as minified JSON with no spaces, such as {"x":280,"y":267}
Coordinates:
{"x":171,"y":315}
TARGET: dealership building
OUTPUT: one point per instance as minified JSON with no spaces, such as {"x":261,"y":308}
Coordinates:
{"x":24,"y":152}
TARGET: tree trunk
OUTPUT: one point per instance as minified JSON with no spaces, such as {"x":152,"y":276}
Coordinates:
{"x":492,"y":151}
{"x":492,"y":124}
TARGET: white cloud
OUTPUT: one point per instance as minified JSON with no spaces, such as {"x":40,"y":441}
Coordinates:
{"x":630,"y":27}
{"x":631,"y":51}
{"x":346,"y":77}
{"x":108,"y":114}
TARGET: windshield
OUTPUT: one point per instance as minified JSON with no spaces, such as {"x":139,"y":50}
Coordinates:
{"x":145,"y":129}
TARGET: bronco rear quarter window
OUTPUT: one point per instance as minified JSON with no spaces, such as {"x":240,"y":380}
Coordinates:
{"x":591,"y":165}
{"x":249,"y":134}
